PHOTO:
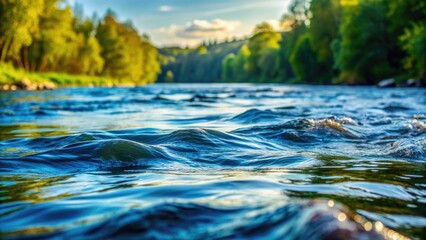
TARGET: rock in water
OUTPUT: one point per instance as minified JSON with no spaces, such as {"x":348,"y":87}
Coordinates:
{"x":413,"y":83}
{"x":387,"y":83}
{"x":26,"y":84}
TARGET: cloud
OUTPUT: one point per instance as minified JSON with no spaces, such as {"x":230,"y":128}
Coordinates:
{"x":261,"y":4}
{"x":200,"y":29}
{"x":165,"y":8}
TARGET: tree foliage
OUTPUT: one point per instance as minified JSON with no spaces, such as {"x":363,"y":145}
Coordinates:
{"x":46,"y":35}
{"x":19,"y":23}
{"x":320,"y":42}
{"x":364,"y":48}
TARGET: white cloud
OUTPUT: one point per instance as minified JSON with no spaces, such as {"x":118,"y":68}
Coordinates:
{"x":260,"y":4}
{"x":165,"y":8}
{"x":197,"y":30}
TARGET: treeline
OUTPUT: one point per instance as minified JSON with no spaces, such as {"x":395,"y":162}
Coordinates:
{"x":321,"y":42}
{"x":202,"y":64}
{"x":48,"y":36}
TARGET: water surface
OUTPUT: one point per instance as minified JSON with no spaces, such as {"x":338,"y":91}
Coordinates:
{"x":213,"y":162}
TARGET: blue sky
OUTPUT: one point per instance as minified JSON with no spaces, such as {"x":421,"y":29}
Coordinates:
{"x":188,"y":22}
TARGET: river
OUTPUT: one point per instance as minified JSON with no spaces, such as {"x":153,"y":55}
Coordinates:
{"x":213,"y":162}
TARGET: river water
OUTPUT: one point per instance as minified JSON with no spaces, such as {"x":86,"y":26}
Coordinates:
{"x":213,"y":162}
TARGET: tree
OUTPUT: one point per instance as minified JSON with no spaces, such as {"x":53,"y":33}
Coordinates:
{"x":303,"y":61}
{"x":128,"y":56}
{"x":19,"y":23}
{"x":169,"y":77}
{"x":51,"y":48}
{"x":265,"y":42}
{"x":414,"y":43}
{"x":150,"y":62}
{"x":407,"y":26}
{"x":324,"y":28}
{"x":241,"y":64}
{"x":228,"y":68}
{"x":87,"y":59}
{"x":262,"y":28}
{"x":363,"y":52}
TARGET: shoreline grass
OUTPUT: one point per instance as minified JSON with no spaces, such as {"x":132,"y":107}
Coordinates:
{"x":17,"y":79}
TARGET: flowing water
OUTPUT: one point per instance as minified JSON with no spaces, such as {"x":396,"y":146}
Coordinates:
{"x":213,"y":162}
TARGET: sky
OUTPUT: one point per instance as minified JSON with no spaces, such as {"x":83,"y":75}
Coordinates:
{"x":188,"y":22}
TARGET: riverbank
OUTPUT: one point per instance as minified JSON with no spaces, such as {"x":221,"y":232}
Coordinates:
{"x":12,"y":79}
{"x":17,"y":79}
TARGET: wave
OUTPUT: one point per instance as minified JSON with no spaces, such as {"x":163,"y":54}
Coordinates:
{"x":90,"y":156}
{"x":306,"y":130}
{"x":408,"y":148}
{"x":260,"y":146}
{"x":189,"y":148}
{"x":297,"y":219}
{"x":256,"y":116}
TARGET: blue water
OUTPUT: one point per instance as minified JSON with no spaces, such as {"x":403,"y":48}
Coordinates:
{"x":213,"y":162}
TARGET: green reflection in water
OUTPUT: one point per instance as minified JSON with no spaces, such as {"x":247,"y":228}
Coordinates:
{"x":30,"y":130}
{"x":15,"y":188}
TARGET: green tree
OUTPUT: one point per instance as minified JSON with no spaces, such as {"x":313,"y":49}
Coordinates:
{"x":407,"y":27}
{"x":128,"y":56}
{"x":241,"y":64}
{"x":363,"y":52}
{"x":87,"y":59}
{"x":19,"y":23}
{"x":262,"y":28}
{"x":324,"y":29}
{"x":51,"y":48}
{"x":228,"y":68}
{"x":150,"y":62}
{"x":414,"y":43}
{"x":169,"y":76}
{"x":113,"y":47}
{"x":303,"y":61}
{"x":262,"y":46}
{"x":294,"y":25}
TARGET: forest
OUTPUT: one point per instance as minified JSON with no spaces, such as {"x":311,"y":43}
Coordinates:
{"x":354,"y":42}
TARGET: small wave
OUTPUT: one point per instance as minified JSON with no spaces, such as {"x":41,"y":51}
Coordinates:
{"x":417,"y":126}
{"x":210,"y":98}
{"x":408,"y":148}
{"x":306,"y":130}
{"x":80,"y":106}
{"x":336,"y":125}
{"x":188,"y":148}
{"x":394,"y":107}
{"x":255,"y":116}
{"x":203,"y":138}
{"x":90,"y":156}
{"x":128,"y":151}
